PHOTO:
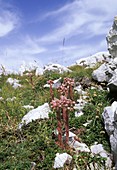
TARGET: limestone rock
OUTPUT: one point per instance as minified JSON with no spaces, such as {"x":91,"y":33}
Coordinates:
{"x":109,"y":70}
{"x":102,"y":74}
{"x":78,"y":146}
{"x":112,"y":39}
{"x":14,"y":82}
{"x":56,"y":84}
{"x":71,"y":136}
{"x":79,"y":107}
{"x":61,"y":159}
{"x":57,"y":68}
{"x":39,"y":71}
{"x":5,"y":71}
{"x":31,"y":66}
{"x":91,"y":61}
{"x":105,"y":72}
{"x":110,"y":121}
{"x":80,"y":104}
{"x":112,"y":85}
{"x":79,"y":90}
{"x":98,"y":149}
{"x":41,"y":112}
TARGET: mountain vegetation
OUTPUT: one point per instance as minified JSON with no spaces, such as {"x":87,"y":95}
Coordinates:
{"x":34,"y":146}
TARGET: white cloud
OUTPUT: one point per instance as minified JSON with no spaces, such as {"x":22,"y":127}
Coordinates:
{"x":8,"y":20}
{"x":80,"y":19}
{"x":68,"y":29}
{"x":66,"y":8}
{"x":30,"y":46}
{"x":81,"y":16}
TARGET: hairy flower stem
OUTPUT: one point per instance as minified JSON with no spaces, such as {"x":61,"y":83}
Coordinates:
{"x":59,"y":128}
{"x":71,"y":92}
{"x":67,"y":127}
{"x":51,"y":90}
{"x":66,"y":124}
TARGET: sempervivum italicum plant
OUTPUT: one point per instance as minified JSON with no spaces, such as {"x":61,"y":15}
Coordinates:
{"x":62,"y":106}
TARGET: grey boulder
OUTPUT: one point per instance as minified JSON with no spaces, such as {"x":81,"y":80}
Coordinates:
{"x":110,"y":121}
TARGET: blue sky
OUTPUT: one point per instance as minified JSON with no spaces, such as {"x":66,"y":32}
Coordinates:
{"x":59,"y":31}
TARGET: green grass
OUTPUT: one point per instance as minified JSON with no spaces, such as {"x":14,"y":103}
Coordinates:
{"x":35,"y":142}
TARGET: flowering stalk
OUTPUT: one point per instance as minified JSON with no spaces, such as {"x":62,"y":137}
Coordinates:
{"x":50,"y":82}
{"x":67,"y":105}
{"x":62,"y":107}
{"x":59,"y":128}
{"x":66,"y":124}
{"x":57,"y":106}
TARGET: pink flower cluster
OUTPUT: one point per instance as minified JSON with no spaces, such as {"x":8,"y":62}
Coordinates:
{"x":62,"y":106}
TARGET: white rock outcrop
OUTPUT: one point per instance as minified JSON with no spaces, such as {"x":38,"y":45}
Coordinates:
{"x":79,"y":107}
{"x":31,"y":66}
{"x":78,"y":146}
{"x":104,"y":73}
{"x":41,"y":112}
{"x":112,"y":84}
{"x":110,"y":121}
{"x":80,"y":91}
{"x":98,"y":149}
{"x":5,"y":71}
{"x":57,"y":68}
{"x":14,"y":82}
{"x":107,"y":72}
{"x":61,"y":160}
{"x":39,"y":71}
{"x":91,"y":61}
{"x":56,"y":84}
{"x":112,"y":39}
